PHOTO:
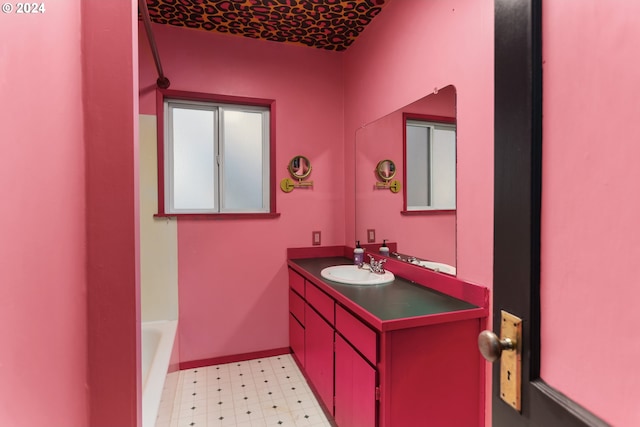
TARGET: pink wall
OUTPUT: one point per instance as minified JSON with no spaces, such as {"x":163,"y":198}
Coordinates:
{"x":590,"y":205}
{"x":110,"y":84}
{"x":232,"y":273}
{"x":43,"y":361}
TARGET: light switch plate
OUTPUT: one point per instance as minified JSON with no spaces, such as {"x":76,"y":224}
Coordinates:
{"x":371,"y":235}
{"x":315,"y":239}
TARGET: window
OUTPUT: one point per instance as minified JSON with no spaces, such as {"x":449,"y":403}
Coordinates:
{"x":215,"y":156}
{"x":430,"y":165}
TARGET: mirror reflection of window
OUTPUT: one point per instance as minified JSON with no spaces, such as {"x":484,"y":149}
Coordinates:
{"x":430,"y":165}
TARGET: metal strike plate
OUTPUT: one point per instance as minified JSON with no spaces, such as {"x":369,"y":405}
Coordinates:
{"x":511,"y":360}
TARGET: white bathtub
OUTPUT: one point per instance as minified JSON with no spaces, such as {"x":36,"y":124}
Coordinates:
{"x":157,"y":345}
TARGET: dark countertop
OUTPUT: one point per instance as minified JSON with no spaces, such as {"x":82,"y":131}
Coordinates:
{"x":400,"y":299}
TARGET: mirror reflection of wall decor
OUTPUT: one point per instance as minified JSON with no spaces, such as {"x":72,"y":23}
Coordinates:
{"x":430,"y":163}
{"x":299,"y":168}
{"x":421,"y":235}
{"x":385,"y":171}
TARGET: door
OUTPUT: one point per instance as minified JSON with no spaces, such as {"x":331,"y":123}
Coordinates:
{"x":517,"y":214}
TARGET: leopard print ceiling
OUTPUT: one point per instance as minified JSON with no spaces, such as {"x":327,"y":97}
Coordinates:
{"x":325,"y":24}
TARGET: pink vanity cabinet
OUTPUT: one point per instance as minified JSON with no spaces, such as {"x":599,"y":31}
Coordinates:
{"x":400,"y":354}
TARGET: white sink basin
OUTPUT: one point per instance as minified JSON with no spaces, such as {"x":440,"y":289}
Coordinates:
{"x":438,"y":266}
{"x":352,"y":275}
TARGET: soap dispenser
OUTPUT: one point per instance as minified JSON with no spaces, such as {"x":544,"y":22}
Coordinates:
{"x":384,"y":249}
{"x":358,"y":254}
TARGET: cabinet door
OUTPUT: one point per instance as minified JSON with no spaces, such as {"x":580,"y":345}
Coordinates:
{"x":296,"y":339}
{"x":355,"y":388}
{"x":319,"y":356}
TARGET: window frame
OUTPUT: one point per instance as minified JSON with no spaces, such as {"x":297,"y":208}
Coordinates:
{"x":406,"y":117}
{"x":175,"y":95}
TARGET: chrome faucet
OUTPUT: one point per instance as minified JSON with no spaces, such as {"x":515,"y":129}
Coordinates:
{"x":376,"y":266}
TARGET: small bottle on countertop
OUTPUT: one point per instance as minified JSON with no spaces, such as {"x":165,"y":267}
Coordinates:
{"x":358,"y":254}
{"x":384,"y":249}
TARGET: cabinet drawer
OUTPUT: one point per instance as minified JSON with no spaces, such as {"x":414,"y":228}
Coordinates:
{"x":296,"y":282}
{"x":358,"y":334}
{"x":296,"y":306}
{"x":322,"y":302}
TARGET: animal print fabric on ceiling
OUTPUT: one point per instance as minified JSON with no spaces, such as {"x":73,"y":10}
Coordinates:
{"x":325,"y":24}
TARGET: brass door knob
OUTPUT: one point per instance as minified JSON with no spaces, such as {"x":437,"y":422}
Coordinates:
{"x":491,"y":346}
{"x":508,"y":349}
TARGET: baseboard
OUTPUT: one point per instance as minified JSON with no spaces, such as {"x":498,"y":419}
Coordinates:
{"x":234,"y":358}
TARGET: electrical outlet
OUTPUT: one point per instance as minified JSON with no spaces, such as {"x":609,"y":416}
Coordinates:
{"x":371,"y":235}
{"x":315,"y":240}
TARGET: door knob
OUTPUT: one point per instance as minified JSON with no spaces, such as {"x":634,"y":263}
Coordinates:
{"x":492,"y":347}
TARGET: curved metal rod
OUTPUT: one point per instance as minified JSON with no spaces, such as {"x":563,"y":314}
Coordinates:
{"x":162,"y":81}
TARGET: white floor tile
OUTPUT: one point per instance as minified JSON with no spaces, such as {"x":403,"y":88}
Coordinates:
{"x":266,"y":392}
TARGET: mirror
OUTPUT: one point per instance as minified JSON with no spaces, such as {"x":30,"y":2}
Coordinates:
{"x":386,"y":169}
{"x":299,"y":167}
{"x":426,"y":233}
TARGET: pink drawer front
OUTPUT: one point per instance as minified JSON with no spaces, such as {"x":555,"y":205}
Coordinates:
{"x":296,"y":306}
{"x":322,"y":302}
{"x":357,"y":333}
{"x":296,"y":282}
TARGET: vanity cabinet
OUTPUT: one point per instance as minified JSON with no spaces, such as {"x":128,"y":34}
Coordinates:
{"x":372,"y":362}
{"x":344,"y":381}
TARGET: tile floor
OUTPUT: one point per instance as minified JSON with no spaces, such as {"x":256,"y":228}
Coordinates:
{"x":261,"y":392}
